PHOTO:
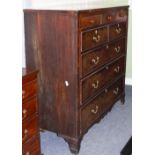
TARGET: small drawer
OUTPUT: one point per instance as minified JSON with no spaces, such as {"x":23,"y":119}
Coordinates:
{"x":122,"y":14}
{"x":29,"y":89}
{"x":95,"y":59}
{"x":93,"y":38}
{"x":29,"y":108}
{"x":89,"y":21}
{"x":31,"y":147}
{"x":92,"y":84}
{"x":29,"y":128}
{"x":100,"y":104}
{"x":109,"y":16}
{"x":117,"y":30}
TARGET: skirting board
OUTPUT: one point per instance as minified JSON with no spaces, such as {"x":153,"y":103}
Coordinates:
{"x":128,"y":81}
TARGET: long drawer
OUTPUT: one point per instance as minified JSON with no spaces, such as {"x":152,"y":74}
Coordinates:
{"x":31,"y":147}
{"x":29,"y":108}
{"x":100,"y":104}
{"x":91,"y":84}
{"x":29,"y":89}
{"x":95,"y":59}
{"x":29,"y":128}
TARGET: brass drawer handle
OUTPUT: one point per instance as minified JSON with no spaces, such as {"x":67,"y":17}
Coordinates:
{"x":92,"y":21}
{"x":97,"y":37}
{"x":117,"y":69}
{"x":25,"y":134}
{"x":94,"y":111}
{"x":95,"y":61}
{"x":117,"y":49}
{"x":106,"y":67}
{"x":107,"y":47}
{"x":121,"y":13}
{"x":24,"y":113}
{"x":105,"y":90}
{"x":118,"y":30}
{"x":95,"y":85}
{"x":27,"y":153}
{"x":116,"y":91}
{"x":109,"y":18}
{"x":23,"y":93}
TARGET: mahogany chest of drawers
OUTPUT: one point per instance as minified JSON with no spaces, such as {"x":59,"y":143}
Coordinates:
{"x":81,"y":55}
{"x":30,"y":128}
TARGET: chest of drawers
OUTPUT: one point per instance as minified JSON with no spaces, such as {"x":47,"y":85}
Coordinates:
{"x":81,"y":55}
{"x":30,"y":129}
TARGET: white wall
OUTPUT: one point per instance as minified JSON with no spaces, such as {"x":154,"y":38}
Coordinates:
{"x":35,"y":3}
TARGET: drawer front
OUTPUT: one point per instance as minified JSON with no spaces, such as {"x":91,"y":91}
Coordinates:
{"x":109,"y":16}
{"x":32,"y":147}
{"x":117,"y":30}
{"x":29,"y":89}
{"x":29,"y":128}
{"x":89,"y":114}
{"x":95,"y":82}
{"x":121,"y":14}
{"x":95,"y":59}
{"x":29,"y":108}
{"x":114,"y":15}
{"x":89,"y":21}
{"x":94,"y":38}
{"x":100,"y":104}
{"x":34,"y":152}
{"x":113,"y":92}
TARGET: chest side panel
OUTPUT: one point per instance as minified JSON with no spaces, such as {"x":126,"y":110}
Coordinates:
{"x":53,"y":50}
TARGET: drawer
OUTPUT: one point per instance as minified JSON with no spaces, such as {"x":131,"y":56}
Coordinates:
{"x":89,"y":114}
{"x":95,"y":59}
{"x":100,"y":104}
{"x":109,"y":16}
{"x":93,"y":38}
{"x":113,"y":92}
{"x":89,"y":21}
{"x":117,"y":30}
{"x":29,"y":128}
{"x":115,"y":15}
{"x":31,"y":147}
{"x":92,"y":84}
{"x":29,"y":89}
{"x":29,"y":108}
{"x":122,"y":14}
